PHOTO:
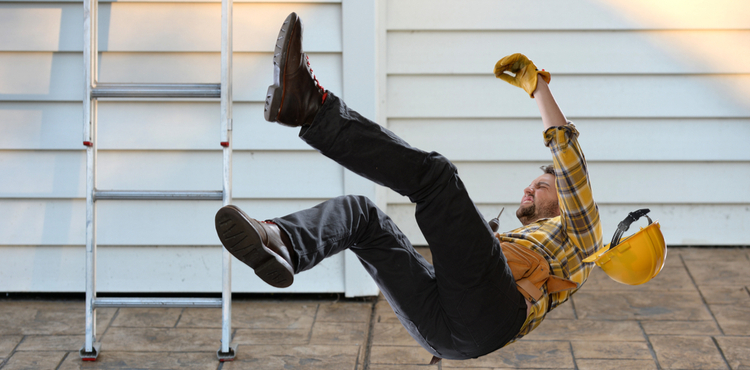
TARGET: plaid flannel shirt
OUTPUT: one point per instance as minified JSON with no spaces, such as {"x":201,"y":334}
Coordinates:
{"x":565,"y":240}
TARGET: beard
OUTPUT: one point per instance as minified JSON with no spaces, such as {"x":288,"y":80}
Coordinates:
{"x":531,"y":213}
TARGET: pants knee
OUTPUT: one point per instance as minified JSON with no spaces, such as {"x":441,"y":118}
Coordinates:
{"x":441,"y":167}
{"x":439,"y":174}
{"x":362,"y":201}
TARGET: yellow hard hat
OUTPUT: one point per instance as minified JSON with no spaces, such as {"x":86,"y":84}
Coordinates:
{"x":637,"y":258}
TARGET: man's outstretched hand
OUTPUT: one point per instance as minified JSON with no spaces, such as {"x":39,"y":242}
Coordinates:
{"x":523,"y":72}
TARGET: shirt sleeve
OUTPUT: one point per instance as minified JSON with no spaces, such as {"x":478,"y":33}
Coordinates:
{"x":579,"y":213}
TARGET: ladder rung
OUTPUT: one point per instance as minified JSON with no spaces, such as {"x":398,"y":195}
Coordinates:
{"x":157,"y":195}
{"x":158,"y":302}
{"x":124,"y":90}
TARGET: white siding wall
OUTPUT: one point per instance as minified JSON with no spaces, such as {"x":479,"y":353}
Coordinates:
{"x":145,"y":145}
{"x":660,"y":91}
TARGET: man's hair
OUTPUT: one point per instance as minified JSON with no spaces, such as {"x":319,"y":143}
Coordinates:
{"x":548,"y":169}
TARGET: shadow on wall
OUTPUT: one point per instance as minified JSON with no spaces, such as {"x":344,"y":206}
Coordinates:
{"x":724,"y":50}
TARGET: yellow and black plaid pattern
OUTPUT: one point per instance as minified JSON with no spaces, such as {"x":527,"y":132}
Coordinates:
{"x":567,"y":239}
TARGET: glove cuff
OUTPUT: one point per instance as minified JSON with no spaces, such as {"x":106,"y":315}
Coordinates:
{"x":544,"y":75}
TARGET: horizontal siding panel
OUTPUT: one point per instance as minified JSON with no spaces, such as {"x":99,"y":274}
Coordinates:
{"x":164,"y":171}
{"x":41,"y":125}
{"x":612,"y":182}
{"x":37,"y":222}
{"x":50,"y":174}
{"x":252,"y":74}
{"x":574,"y":14}
{"x":141,"y":125}
{"x":256,"y":26}
{"x":154,"y":269}
{"x":281,"y":175}
{"x":521,"y":139}
{"x":194,"y":125}
{"x":640,"y":52}
{"x":682,"y":224}
{"x":121,"y":67}
{"x":163,"y":27}
{"x":189,"y":125}
{"x":59,"y":76}
{"x":43,"y":174}
{"x":197,"y":26}
{"x":253,"y":132}
{"x":42,"y":26}
{"x":159,"y":125}
{"x":40,"y":76}
{"x":62,"y":221}
{"x":579,"y":96}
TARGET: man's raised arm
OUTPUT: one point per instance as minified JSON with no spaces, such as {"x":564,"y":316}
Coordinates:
{"x":551,"y":114}
{"x":580,"y":215}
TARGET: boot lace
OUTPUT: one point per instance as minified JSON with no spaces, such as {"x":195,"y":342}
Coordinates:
{"x":317,"y":83}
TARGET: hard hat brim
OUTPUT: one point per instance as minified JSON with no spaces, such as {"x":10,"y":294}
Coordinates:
{"x":636,"y":259}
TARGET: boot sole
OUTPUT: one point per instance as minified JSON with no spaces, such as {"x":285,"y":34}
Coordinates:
{"x":275,"y":93}
{"x":273,"y":103}
{"x":241,"y":238}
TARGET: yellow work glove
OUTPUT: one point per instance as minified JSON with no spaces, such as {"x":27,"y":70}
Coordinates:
{"x":524,"y":70}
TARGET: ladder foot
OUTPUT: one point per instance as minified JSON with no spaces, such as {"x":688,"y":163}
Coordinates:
{"x":90,"y":356}
{"x":227,"y":356}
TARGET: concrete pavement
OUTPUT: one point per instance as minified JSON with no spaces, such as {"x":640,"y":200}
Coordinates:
{"x":694,"y":315}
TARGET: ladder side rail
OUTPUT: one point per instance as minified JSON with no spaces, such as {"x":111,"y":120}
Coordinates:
{"x":226,"y":71}
{"x":90,"y":250}
{"x":226,"y":352}
{"x":89,"y":27}
{"x":90,"y":54}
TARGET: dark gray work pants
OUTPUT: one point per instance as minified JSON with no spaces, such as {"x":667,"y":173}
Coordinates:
{"x":465,"y":305}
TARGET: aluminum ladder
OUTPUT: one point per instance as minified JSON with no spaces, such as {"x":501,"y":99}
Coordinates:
{"x":93,"y":92}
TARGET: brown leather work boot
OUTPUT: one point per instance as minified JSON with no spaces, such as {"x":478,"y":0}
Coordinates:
{"x":295,"y":96}
{"x":260,"y":245}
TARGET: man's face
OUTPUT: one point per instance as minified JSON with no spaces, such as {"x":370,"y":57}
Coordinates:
{"x":539,"y":200}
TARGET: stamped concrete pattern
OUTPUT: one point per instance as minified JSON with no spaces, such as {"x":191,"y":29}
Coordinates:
{"x":694,"y":315}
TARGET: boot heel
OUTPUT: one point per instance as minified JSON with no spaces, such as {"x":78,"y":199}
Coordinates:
{"x":275,"y":273}
{"x":273,"y":102}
